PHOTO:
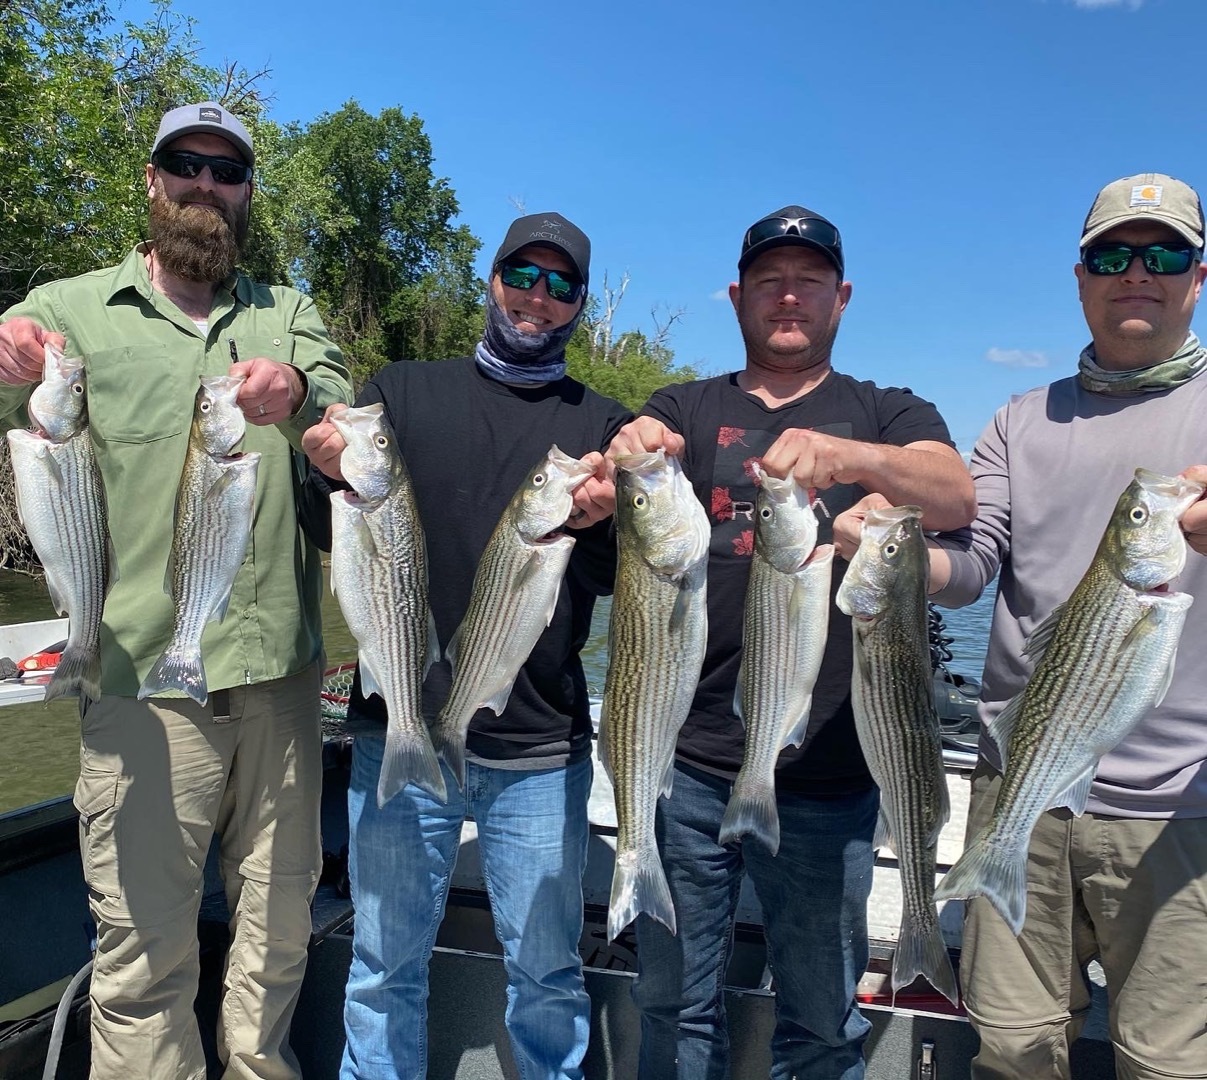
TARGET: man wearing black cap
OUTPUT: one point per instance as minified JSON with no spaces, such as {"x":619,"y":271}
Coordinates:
{"x":789,"y":408}
{"x":469,"y":431}
{"x":159,"y":775}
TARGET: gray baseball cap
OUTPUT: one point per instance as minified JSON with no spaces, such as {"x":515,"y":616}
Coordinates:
{"x":207,"y":117}
{"x":1146,"y":197}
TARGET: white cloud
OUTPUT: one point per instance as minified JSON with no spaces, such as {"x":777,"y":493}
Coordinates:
{"x":1017,"y":358}
{"x":1131,"y":5}
{"x":720,"y":294}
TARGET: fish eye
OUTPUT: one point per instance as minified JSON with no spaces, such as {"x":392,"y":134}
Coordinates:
{"x":638,"y":501}
{"x":890,"y":550}
{"x":77,"y":388}
{"x":765,"y":513}
{"x":206,"y":405}
{"x":539,"y":479}
{"x":381,"y":442}
{"x":1138,"y":515}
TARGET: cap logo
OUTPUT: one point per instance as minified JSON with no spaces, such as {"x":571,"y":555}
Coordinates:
{"x":1146,"y":195}
{"x":210,"y":115}
{"x":551,"y":224}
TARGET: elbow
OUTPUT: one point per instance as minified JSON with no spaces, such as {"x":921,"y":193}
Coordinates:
{"x":955,"y":510}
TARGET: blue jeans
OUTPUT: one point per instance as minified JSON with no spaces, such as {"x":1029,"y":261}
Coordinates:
{"x":532,"y":831}
{"x":814,"y":897}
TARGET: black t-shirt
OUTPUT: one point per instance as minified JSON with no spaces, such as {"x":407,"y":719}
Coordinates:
{"x":725,"y":430}
{"x":469,"y":442}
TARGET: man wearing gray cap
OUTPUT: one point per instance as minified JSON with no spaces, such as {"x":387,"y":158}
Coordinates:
{"x":1118,"y":877}
{"x":790,"y":408}
{"x":159,"y":776}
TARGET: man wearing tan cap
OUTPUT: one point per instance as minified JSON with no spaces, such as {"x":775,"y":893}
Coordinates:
{"x":1117,"y":877}
{"x":160,"y":774}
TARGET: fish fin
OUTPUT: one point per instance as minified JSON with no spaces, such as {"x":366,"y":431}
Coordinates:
{"x":668,"y":777}
{"x":222,"y":481}
{"x":639,"y":885}
{"x":603,"y":744}
{"x":59,"y":591}
{"x":448,"y":741}
{"x":525,"y":573}
{"x":920,"y":952}
{"x":998,"y":874}
{"x":452,"y":649}
{"x":944,"y":813}
{"x":682,"y":600}
{"x":1077,"y":793}
{"x":1002,"y":726}
{"x":861,"y":663}
{"x":223,"y":602}
{"x":751,"y":811}
{"x":1041,"y":637}
{"x":370,"y":684}
{"x":800,"y":727}
{"x":78,"y":672}
{"x":552,"y":609}
{"x":738,"y":711}
{"x":409,"y":760}
{"x":178,"y":668}
{"x":800,"y":596}
{"x":1149,"y":622}
{"x":433,"y":644}
{"x":497,"y":702}
{"x":113,"y":574}
{"x":883,"y":836}
{"x":364,"y":537}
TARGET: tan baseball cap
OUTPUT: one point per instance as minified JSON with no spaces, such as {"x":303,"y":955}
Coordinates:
{"x":1146,"y":196}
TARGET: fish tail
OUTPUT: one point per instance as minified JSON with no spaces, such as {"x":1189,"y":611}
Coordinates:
{"x":752,"y":810}
{"x":639,"y":885}
{"x":449,"y":743}
{"x":995,"y":872}
{"x":923,"y":952}
{"x":78,"y":672}
{"x":179,"y":667}
{"x":409,"y":759}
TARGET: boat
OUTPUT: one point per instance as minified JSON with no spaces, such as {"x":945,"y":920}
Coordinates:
{"x":47,"y":941}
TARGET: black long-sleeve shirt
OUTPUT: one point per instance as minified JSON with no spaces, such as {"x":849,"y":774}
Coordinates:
{"x":469,"y":442}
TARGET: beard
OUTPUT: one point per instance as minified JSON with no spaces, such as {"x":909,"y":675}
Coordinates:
{"x":196,"y":243}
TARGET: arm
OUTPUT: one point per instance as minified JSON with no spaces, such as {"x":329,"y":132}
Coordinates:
{"x":926,"y":474}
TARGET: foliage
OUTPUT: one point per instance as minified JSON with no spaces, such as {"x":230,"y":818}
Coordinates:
{"x":632,"y":370}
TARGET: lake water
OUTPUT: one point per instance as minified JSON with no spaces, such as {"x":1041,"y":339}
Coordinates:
{"x":39,"y":748}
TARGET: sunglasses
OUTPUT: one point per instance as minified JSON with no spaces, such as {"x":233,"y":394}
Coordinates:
{"x":562,"y":287}
{"x":189,"y":165}
{"x":1157,"y":258}
{"x":808,"y":228}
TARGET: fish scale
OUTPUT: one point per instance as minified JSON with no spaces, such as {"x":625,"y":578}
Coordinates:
{"x":1102,"y":660}
{"x":656,"y":641}
{"x":884,"y":590}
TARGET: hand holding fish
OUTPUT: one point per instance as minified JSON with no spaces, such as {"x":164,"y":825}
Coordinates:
{"x":595,"y":498}
{"x":817,"y":460}
{"x":643,"y":435}
{"x":22,"y":350}
{"x":324,"y":445}
{"x":848,"y":526}
{"x":1194,"y":521}
{"x":271,"y":392}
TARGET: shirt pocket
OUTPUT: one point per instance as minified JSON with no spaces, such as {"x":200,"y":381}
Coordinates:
{"x":97,"y":798}
{"x":140,"y":393}
{"x":278,"y":347}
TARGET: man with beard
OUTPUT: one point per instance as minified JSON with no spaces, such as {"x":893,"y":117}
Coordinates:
{"x":844,"y":438}
{"x":158,"y":777}
{"x":469,"y":431}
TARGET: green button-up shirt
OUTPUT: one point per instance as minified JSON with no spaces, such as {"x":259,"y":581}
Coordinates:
{"x":143,"y":357}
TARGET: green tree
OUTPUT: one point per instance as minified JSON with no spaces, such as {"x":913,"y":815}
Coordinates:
{"x":393,"y":277}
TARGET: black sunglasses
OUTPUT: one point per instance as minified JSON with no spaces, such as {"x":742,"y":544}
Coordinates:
{"x":189,"y":165}
{"x":561,"y":286}
{"x":1157,"y":258}
{"x":807,"y":228}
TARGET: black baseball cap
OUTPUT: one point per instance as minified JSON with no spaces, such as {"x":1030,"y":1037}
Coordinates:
{"x":552,"y":231}
{"x":792,"y":225}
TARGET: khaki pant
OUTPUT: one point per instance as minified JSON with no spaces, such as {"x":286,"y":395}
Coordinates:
{"x":157,"y":778}
{"x":1130,"y":892}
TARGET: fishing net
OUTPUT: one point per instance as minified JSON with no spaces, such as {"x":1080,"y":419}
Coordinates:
{"x":333,"y":697}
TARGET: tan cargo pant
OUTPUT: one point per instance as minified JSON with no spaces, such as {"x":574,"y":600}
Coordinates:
{"x":1130,"y":892}
{"x":157,"y":778}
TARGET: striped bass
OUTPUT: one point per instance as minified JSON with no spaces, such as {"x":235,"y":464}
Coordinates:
{"x":61,"y":503}
{"x":513,"y":600}
{"x":784,"y":631}
{"x":211,"y":529}
{"x":656,"y":640}
{"x":379,"y":576}
{"x":892,"y":694}
{"x":1102,"y":659}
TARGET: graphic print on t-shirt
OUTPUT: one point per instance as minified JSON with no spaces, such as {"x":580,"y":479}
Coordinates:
{"x":734,"y":489}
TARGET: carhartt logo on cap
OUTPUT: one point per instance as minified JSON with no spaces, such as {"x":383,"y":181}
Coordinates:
{"x":1146,"y":195}
{"x":210,"y":116}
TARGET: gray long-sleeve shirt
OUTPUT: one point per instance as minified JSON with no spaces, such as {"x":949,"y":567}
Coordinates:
{"x":1048,"y":470}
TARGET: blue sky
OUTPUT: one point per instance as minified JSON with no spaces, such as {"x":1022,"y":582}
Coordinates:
{"x":957,"y":146}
